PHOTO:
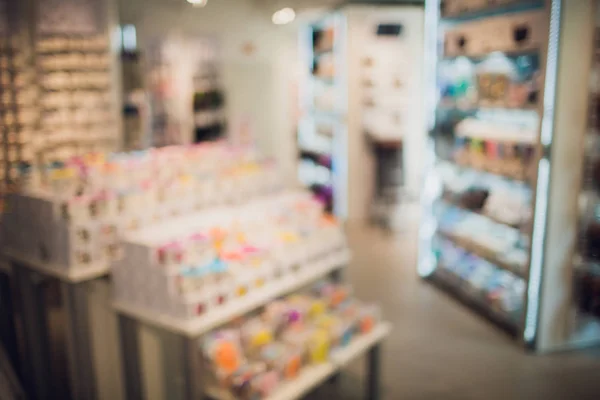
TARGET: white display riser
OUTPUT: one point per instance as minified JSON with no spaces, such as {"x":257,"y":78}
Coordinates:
{"x":74,"y":239}
{"x":240,"y":305}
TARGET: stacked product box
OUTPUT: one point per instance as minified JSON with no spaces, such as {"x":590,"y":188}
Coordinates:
{"x":71,"y":215}
{"x":196,"y":263}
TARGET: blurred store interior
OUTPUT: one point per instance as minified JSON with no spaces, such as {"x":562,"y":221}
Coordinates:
{"x":277,"y":199}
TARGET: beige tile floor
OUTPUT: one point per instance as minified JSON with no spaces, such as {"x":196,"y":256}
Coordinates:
{"x":441,"y":350}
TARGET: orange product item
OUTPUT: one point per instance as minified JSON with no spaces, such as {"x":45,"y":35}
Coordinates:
{"x":366,"y":324}
{"x":227,"y":357}
{"x":292,"y":368}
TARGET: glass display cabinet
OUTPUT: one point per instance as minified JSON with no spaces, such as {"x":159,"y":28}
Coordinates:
{"x":505,"y":120}
{"x":322,"y":130}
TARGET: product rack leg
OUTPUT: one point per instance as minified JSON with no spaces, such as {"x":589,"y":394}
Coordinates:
{"x":8,"y":334}
{"x":182,"y":366}
{"x":192,"y":369}
{"x":130,"y":354}
{"x":36,"y":361}
{"x":83,"y":378}
{"x":373,"y":369}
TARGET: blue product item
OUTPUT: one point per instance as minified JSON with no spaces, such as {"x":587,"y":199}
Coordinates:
{"x":450,"y":217}
{"x":218,"y":266}
{"x":454,"y":255}
{"x":466,"y":266}
{"x":481,"y":275}
{"x":347,"y":335}
{"x":493,"y":282}
{"x":194,"y":271}
{"x":462,"y":74}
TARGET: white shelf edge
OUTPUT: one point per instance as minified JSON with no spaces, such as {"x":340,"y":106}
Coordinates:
{"x":309,"y":378}
{"x":239,"y":306}
{"x":341,"y":357}
{"x":69,"y":274}
{"x":312,"y":376}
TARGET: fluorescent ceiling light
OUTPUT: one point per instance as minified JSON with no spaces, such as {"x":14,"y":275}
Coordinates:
{"x":283,"y":16}
{"x":198,"y":3}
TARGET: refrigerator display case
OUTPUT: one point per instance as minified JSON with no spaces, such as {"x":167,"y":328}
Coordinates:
{"x":322,"y":130}
{"x":503,"y":112}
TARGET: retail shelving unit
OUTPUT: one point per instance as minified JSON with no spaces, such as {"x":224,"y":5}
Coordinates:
{"x":498,"y":204}
{"x":187,"y":102}
{"x":62,"y":103}
{"x":322,"y":131}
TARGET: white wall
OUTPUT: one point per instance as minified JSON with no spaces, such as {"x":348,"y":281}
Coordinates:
{"x":361,"y":21}
{"x":257,"y":84}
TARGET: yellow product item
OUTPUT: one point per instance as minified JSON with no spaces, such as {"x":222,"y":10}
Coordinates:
{"x":326,"y":322}
{"x":242,"y":290}
{"x":318,"y":346}
{"x":289,"y":237}
{"x":261,"y":338}
{"x":240,"y":237}
{"x":317,"y":308}
{"x":63,"y":173}
{"x":186,"y":179}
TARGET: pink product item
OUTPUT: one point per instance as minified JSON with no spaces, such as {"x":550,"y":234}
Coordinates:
{"x":198,"y":239}
{"x":267,"y":382}
{"x":171,"y":253}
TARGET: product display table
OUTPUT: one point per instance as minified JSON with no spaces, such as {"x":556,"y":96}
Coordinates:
{"x":160,"y":354}
{"x":68,"y":329}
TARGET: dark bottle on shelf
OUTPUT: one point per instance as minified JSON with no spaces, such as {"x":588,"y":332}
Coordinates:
{"x":592,"y":241}
{"x":474,"y":199}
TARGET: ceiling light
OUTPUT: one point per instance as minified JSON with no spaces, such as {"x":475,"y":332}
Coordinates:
{"x":284,"y":16}
{"x":198,"y":3}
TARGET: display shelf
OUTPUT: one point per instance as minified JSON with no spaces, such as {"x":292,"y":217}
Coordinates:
{"x":241,"y":305}
{"x":324,"y":75}
{"x":456,"y":287}
{"x":309,"y":378}
{"x":472,"y":246}
{"x":359,"y":345}
{"x":513,"y":177}
{"x":312,"y":376}
{"x":450,"y":199}
{"x":75,"y":274}
{"x":513,"y":53}
{"x":465,"y":14}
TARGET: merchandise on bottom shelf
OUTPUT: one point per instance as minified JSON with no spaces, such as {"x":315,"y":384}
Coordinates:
{"x":196,"y":263}
{"x":500,"y":243}
{"x":498,"y":288}
{"x":250,"y":358}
